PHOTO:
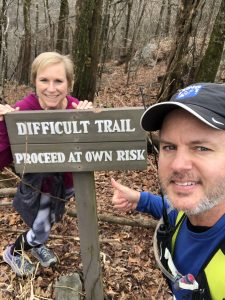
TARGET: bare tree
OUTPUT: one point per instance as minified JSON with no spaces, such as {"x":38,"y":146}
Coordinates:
{"x":117,"y":15}
{"x":36,"y":29}
{"x":173,"y":78}
{"x":25,"y":48}
{"x":159,"y":25}
{"x":104,"y":37}
{"x":168,"y":18}
{"x":86,"y":47}
{"x":2,"y":23}
{"x":62,"y":25}
{"x":49,"y":42}
{"x":211,"y":60}
{"x":3,"y":48}
{"x":125,"y":54}
{"x":136,"y":31}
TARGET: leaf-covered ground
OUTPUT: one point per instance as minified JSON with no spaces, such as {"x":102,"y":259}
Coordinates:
{"x":128,"y":266}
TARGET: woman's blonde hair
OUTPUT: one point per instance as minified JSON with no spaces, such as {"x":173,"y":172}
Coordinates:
{"x":50,"y":58}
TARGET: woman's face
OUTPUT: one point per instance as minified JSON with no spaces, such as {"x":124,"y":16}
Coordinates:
{"x":52,"y":87}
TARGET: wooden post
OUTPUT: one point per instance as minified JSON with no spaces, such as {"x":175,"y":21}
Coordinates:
{"x":84,"y":186}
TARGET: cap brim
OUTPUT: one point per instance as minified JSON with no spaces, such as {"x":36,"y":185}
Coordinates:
{"x":153,"y":117}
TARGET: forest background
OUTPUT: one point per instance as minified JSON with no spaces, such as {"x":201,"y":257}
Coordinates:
{"x":126,"y":53}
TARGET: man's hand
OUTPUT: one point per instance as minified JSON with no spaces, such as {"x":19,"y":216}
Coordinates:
{"x":124,"y":198}
{"x":83,"y":105}
{"x":4,"y":109}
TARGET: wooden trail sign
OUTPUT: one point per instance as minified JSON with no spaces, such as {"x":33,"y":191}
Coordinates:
{"x":81,"y":142}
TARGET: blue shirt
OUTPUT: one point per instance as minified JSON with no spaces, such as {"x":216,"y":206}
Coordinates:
{"x":191,"y":248}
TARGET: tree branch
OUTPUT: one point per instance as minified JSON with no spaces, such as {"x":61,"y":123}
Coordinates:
{"x":109,"y":218}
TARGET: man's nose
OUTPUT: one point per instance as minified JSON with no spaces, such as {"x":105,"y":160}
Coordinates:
{"x":181,"y":161}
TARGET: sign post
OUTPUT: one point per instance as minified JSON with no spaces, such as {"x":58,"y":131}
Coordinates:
{"x":81,"y":142}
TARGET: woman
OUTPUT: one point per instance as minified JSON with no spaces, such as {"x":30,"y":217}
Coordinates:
{"x":52,"y":76}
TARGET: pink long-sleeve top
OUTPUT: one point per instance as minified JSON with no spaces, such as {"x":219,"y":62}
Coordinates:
{"x":30,"y":102}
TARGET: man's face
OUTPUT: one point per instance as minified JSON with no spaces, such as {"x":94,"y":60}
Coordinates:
{"x":191,"y":163}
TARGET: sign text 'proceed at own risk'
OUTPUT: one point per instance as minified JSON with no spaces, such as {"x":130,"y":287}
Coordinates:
{"x":77,"y":140}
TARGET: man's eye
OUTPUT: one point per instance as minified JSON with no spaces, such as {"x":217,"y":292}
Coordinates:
{"x":168,"y":148}
{"x":202,"y":149}
{"x":59,"y":81}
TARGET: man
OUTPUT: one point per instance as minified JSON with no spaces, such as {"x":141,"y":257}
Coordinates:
{"x":190,"y":246}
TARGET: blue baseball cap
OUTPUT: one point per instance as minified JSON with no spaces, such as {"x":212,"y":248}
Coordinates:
{"x":206,"y":101}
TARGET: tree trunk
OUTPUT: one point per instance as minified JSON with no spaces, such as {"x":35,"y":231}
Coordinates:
{"x":140,"y":14}
{"x":125,"y":51}
{"x":49,"y":41}
{"x":36,"y":30}
{"x":211,"y":60}
{"x":26,"y":45}
{"x":116,"y":16}
{"x":220,"y":72}
{"x":159,"y":25}
{"x":3,"y":50}
{"x":104,"y":39}
{"x":62,"y":25}
{"x":86,"y":47}
{"x":168,"y":18}
{"x":173,"y":79}
{"x":2,"y":23}
{"x":195,"y":54}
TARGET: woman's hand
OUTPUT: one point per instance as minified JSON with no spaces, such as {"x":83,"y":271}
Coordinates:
{"x":83,"y":105}
{"x":4,"y":109}
{"x":124,"y":198}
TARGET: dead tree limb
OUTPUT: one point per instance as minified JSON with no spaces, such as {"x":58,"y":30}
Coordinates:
{"x":134,"y":222}
{"x":56,"y":236}
{"x":7,"y":192}
{"x":121,"y":220}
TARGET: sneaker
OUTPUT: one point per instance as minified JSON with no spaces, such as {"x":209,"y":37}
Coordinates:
{"x":20,"y":265}
{"x":45,"y":256}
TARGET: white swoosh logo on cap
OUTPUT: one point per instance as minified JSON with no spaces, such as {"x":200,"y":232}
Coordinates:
{"x":215,"y":121}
